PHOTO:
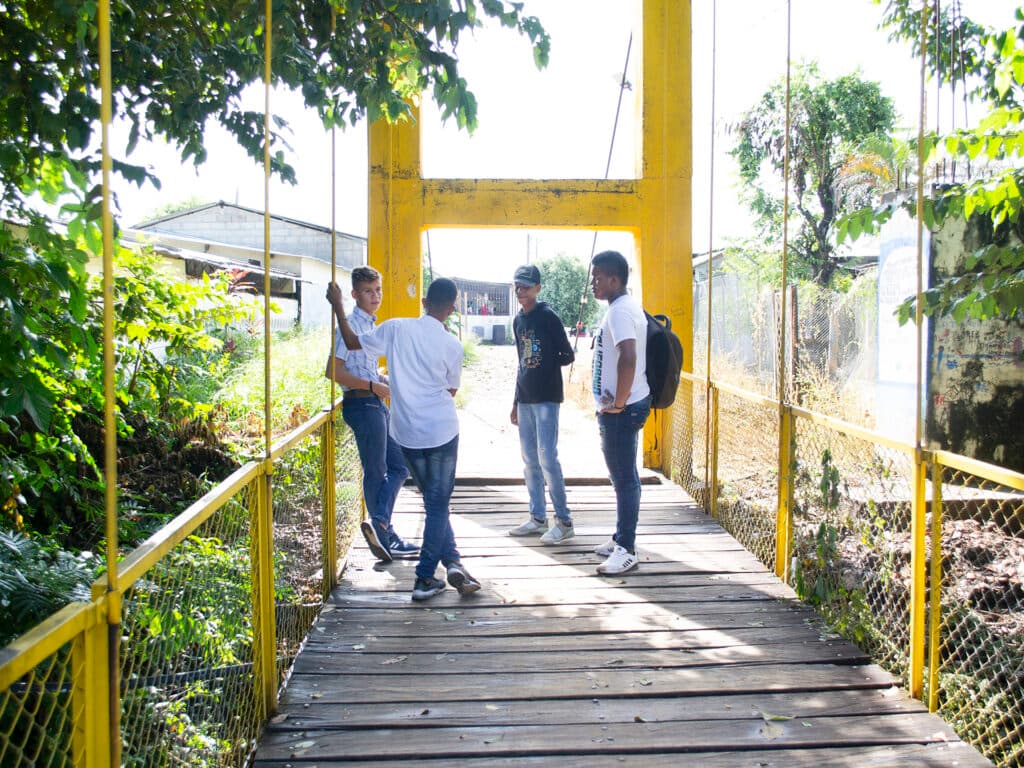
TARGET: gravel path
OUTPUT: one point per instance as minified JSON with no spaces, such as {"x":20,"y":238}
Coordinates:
{"x":489,"y":443}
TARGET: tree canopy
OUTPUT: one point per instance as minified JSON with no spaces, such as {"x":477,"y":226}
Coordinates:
{"x":564,"y":280}
{"x":176,"y":66}
{"x":988,"y":65}
{"x":829,"y":119}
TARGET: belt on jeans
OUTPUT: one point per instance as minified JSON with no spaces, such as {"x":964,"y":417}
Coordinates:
{"x":354,"y":393}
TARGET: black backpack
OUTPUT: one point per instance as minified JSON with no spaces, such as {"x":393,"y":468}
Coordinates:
{"x":664,"y":360}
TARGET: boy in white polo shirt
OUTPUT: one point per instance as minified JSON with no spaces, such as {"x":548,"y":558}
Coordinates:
{"x":425,"y":367}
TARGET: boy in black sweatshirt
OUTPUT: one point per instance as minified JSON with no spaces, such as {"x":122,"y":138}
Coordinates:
{"x":543,"y":349}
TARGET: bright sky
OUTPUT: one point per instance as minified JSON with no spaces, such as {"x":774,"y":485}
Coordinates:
{"x":557,"y":123}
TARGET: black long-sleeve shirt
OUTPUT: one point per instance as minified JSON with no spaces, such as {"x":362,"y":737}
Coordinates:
{"x":543,"y":349}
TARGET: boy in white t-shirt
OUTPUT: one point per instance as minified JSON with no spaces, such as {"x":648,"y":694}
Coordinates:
{"x":425,"y":366}
{"x":623,"y":401}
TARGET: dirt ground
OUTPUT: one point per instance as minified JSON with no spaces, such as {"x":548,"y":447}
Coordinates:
{"x":489,"y":443}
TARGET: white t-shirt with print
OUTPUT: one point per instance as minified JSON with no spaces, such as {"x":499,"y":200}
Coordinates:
{"x":624,"y":320}
{"x":424,"y":362}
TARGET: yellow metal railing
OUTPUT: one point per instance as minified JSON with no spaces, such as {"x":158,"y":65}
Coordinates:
{"x":206,"y":628}
{"x":851,"y":536}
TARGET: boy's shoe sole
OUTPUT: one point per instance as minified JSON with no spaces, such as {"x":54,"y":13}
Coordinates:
{"x":459,"y":578}
{"x":373,"y":542}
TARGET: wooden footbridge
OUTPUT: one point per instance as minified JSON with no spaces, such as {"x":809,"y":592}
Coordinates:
{"x":701,"y":657}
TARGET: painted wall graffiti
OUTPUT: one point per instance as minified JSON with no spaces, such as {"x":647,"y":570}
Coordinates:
{"x":976,"y":369}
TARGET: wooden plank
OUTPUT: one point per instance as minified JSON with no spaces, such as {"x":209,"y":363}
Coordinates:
{"x":558,"y":712}
{"x":457,"y":620}
{"x":918,"y":755}
{"x":486,"y":686}
{"x":438,"y":661}
{"x":381,"y":638}
{"x":701,"y":657}
{"x":681,"y":737}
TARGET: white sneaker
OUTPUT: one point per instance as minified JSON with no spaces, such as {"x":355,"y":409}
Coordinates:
{"x":605,"y":549}
{"x":531,"y":527}
{"x":619,"y":561}
{"x":558,"y":533}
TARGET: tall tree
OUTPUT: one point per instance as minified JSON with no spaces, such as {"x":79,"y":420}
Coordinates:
{"x":564,"y":281}
{"x":988,"y":65}
{"x":177,"y":67}
{"x":828,"y":120}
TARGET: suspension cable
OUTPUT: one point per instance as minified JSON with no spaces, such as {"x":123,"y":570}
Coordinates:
{"x":266,"y":231}
{"x":711,"y":240}
{"x":607,"y":171}
{"x":109,"y":396}
{"x":918,"y":309}
{"x":785,"y":207}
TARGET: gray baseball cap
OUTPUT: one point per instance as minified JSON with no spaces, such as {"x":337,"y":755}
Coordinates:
{"x":527,"y":275}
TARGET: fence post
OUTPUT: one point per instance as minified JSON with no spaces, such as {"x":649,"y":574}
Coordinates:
{"x":90,"y":696}
{"x":713,"y":463}
{"x":263,"y":618}
{"x":935,"y":584}
{"x":784,"y":514}
{"x":328,"y":500}
{"x":918,"y":557}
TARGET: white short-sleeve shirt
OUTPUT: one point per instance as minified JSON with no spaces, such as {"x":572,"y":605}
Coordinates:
{"x":424,"y":363}
{"x":624,"y":320}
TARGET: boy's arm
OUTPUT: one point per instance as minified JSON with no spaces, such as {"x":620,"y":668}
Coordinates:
{"x":563,"y":349}
{"x":335,"y":298}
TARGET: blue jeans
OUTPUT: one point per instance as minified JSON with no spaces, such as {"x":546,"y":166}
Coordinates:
{"x":538,"y":439}
{"x":619,"y":433}
{"x":384,"y":468}
{"x":433,"y":471}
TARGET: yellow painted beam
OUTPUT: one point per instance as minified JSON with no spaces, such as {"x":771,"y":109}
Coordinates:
{"x":664,"y":250}
{"x":395,"y":216}
{"x":555,"y":204}
{"x":655,"y":206}
{"x":918,"y":559}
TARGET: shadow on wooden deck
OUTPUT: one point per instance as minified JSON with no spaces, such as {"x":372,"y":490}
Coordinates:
{"x":699,"y":658}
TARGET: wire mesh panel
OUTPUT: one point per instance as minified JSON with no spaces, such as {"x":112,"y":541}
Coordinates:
{"x":36,"y":715}
{"x":187,"y":650}
{"x":748,"y":437}
{"x":851,"y":537}
{"x":979,"y":668}
{"x":689,"y":459}
{"x":298,"y":542}
{"x":348,"y":495}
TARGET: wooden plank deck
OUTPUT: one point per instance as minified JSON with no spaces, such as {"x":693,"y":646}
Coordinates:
{"x":699,"y":658}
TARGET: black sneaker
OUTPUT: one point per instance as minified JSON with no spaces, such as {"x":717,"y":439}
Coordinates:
{"x":459,"y":578}
{"x":375,"y":540}
{"x":402,"y":549}
{"x":424,"y":589}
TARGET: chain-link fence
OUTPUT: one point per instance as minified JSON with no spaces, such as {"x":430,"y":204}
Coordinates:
{"x":187,"y":649}
{"x":976,"y":666}
{"x":747,"y":448}
{"x":846,"y":494}
{"x":191,"y":692}
{"x":299,"y":537}
{"x":830,"y":348}
{"x":850,"y":551}
{"x":36,"y":715}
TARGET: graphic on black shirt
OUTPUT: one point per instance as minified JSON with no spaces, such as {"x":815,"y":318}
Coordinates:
{"x":529,"y":345}
{"x":543,"y":349}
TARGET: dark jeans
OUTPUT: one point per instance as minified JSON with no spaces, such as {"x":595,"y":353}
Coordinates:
{"x":384,"y":468}
{"x":619,"y":439}
{"x":433,"y":471}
